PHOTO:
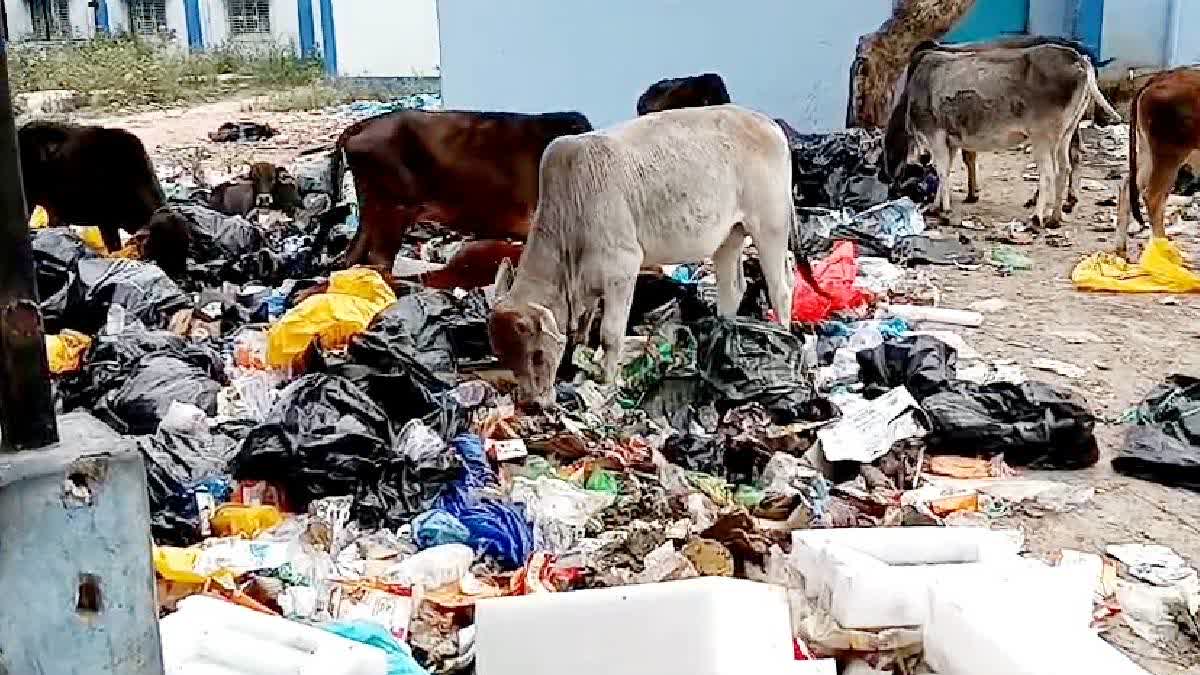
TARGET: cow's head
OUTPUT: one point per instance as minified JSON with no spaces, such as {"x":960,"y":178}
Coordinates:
{"x":684,"y":92}
{"x":526,"y":338}
{"x":264,"y":176}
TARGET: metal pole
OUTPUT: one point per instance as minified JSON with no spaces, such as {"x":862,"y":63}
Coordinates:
{"x":26,"y":406}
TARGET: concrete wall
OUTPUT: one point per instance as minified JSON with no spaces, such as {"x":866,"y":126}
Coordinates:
{"x":396,"y":38}
{"x":787,"y":58}
{"x":1135,"y":31}
{"x":19,"y":23}
{"x":1049,"y":17}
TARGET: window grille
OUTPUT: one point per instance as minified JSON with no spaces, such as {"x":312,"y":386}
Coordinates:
{"x":51,"y":19}
{"x":249,"y":17}
{"x":148,"y":17}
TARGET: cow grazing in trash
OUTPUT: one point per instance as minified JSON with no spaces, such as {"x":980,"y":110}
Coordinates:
{"x":1164,"y":133}
{"x":473,"y":172}
{"x":678,"y":186}
{"x":995,"y":100}
{"x":265,"y":186}
{"x":1076,"y":149}
{"x":89,"y":176}
{"x":695,"y":91}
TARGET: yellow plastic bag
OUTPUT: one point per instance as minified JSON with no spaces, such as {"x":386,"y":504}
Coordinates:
{"x":39,"y":218}
{"x":179,"y":565}
{"x":244,"y":520}
{"x":1160,"y":270}
{"x":65,"y":351}
{"x":92,"y":237}
{"x":355,"y":296}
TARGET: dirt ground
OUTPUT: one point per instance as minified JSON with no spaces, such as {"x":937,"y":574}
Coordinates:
{"x":1143,"y":338}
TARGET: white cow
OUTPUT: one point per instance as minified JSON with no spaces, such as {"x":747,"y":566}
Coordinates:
{"x":671,"y":187}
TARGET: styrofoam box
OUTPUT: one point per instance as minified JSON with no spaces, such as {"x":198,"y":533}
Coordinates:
{"x":707,"y":626}
{"x":208,"y":636}
{"x":881,"y":578}
{"x":996,"y":633}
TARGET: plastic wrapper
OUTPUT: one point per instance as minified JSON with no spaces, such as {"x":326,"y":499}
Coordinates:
{"x":244,"y":520}
{"x":434,"y":567}
{"x":559,"y":511}
{"x":65,"y":351}
{"x":354,"y":297}
{"x":399,"y":659}
{"x":1160,"y":270}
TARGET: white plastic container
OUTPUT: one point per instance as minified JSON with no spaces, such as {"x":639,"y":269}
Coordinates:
{"x":207,"y":636}
{"x":955,"y":317}
{"x":972,"y":633}
{"x":707,"y":626}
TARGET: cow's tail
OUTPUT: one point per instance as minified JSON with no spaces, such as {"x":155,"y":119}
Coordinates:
{"x":1135,"y":197}
{"x":337,"y":170}
{"x":1098,"y":96}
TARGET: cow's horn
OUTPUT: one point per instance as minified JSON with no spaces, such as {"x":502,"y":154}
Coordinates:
{"x":548,"y":323}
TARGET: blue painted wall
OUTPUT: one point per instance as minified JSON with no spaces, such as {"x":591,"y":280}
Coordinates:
{"x":788,"y":58}
{"x":990,"y":19}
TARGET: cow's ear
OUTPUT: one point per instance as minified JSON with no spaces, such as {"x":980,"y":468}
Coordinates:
{"x":504,"y":278}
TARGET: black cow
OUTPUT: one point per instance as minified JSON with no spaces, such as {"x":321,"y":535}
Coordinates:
{"x":695,"y":91}
{"x":102,"y":177}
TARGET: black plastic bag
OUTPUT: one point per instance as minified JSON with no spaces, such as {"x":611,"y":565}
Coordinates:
{"x":56,"y":255}
{"x":434,"y":327}
{"x":1151,"y":454}
{"x":216,"y":235}
{"x":410,"y":480}
{"x":747,"y":361}
{"x":1164,"y":445}
{"x":696,"y":452}
{"x":188,"y":375}
{"x":145,"y":291}
{"x":1032,"y":424}
{"x":839,"y":169}
{"x":109,"y":362}
{"x":922,"y":364}
{"x":174,"y":464}
{"x":324,"y":437}
{"x":921,"y":250}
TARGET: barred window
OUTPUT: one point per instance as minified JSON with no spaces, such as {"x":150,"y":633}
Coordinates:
{"x":148,"y":17}
{"x":249,"y":17}
{"x":50,"y":19}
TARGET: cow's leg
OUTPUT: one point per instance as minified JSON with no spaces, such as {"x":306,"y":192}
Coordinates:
{"x":618,"y":299}
{"x":1062,"y":174}
{"x":773,"y":254}
{"x":111,"y":234}
{"x":1167,"y":161}
{"x":731,"y":282}
{"x":1076,"y":157}
{"x":1121,"y":245}
{"x":970,"y":158}
{"x":1047,"y":180}
{"x":942,"y":155}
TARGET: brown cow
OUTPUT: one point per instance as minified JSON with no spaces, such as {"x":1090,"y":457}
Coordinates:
{"x":1164,"y":130}
{"x":266,"y":186}
{"x":473,"y":172}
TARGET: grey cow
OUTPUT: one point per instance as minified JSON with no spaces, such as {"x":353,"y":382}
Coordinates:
{"x":996,"y":100}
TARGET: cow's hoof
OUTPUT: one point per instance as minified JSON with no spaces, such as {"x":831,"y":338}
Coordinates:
{"x":1053,"y":224}
{"x":1031,"y":203}
{"x":1069,"y":207}
{"x":971,"y":199}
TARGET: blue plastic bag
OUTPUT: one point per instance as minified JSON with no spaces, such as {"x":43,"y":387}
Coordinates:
{"x":496,"y":528}
{"x":437,"y":527}
{"x":399,"y":660}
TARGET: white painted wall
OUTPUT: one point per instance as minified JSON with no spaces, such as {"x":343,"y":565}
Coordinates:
{"x":1187,"y":46}
{"x":19,"y":23}
{"x":177,"y":22}
{"x":396,"y":38}
{"x":118,"y":15}
{"x":83,"y":19}
{"x":788,"y":58}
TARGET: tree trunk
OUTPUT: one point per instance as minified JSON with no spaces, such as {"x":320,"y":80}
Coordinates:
{"x":883,"y":55}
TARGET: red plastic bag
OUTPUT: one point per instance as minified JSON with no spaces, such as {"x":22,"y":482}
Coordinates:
{"x":835,"y":276}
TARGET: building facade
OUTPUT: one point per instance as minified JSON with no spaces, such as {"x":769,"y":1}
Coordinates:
{"x":357,"y":38}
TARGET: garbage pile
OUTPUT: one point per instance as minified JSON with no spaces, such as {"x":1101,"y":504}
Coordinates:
{"x":323,"y":447}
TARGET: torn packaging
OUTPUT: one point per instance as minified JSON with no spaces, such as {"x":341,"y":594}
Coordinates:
{"x":1164,"y":445}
